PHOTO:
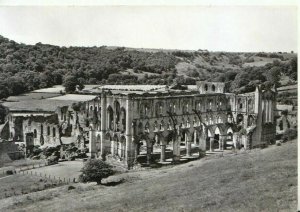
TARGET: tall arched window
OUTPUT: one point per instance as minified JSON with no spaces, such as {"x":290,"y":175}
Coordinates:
{"x":147,"y":127}
{"x":54,"y":132}
{"x":171,"y":107}
{"x":110,"y":118}
{"x":219,"y":119}
{"x":250,"y":105}
{"x":188,"y":123}
{"x":34,"y":133}
{"x":161,"y":126}
{"x":155,"y":126}
{"x":205,"y":87}
{"x":210,"y":120}
{"x":199,"y":105}
{"x":42,"y":129}
{"x":213,"y":87}
{"x":48,"y":130}
{"x":146,"y":110}
{"x":240,"y":103}
{"x":159,"y":109}
{"x":229,"y":118}
{"x":185,"y":108}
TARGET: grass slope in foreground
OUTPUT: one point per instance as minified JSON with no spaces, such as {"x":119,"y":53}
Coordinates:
{"x":262,"y":180}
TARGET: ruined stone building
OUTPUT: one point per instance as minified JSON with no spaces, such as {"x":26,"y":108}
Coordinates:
{"x":47,"y":122}
{"x":126,"y":122}
{"x":140,"y":119}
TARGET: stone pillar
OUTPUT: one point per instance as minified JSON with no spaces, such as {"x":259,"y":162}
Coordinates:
{"x":112,"y":146}
{"x":222,"y":142}
{"x":130,"y":146}
{"x":149,"y":151}
{"x":92,"y":143}
{"x":103,"y":122}
{"x":163,"y":153}
{"x":211,"y":144}
{"x":188,"y":146}
{"x":195,"y":138}
{"x":176,"y":148}
{"x":235,"y":140}
{"x":245,"y":142}
{"x":202,"y":143}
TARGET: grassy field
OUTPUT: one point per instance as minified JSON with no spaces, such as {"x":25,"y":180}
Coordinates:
{"x":259,"y":180}
{"x":18,"y":184}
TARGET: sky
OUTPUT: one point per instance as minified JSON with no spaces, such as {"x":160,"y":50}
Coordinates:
{"x":215,"y":28}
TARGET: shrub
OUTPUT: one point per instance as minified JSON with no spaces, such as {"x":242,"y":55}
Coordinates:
{"x":201,"y":153}
{"x":9,"y":172}
{"x":52,"y":160}
{"x":289,"y":134}
{"x":95,"y":170}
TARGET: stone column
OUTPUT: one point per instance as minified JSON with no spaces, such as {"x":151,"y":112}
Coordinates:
{"x":112,"y":147}
{"x":163,"y":153}
{"x":222,"y":142}
{"x":176,"y":149}
{"x":235,"y":140}
{"x":211,"y":144}
{"x":149,"y":151}
{"x":92,"y":143}
{"x":202,"y":143}
{"x":188,"y":146}
{"x":130,"y":146}
{"x":195,"y":138}
{"x":103,"y":123}
{"x":245,"y":142}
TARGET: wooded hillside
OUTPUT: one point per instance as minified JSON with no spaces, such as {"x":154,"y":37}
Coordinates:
{"x":28,"y":67}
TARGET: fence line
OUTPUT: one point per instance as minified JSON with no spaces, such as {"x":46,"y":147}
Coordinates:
{"x":29,"y":170}
{"x":46,"y":176}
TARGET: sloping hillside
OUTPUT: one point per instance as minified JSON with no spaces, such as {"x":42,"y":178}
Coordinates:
{"x":261,"y":180}
{"x":27,"y":67}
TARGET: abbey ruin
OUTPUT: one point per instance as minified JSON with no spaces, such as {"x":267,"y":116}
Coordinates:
{"x":125,"y":122}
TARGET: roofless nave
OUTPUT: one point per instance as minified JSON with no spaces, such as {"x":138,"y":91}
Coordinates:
{"x":125,"y":122}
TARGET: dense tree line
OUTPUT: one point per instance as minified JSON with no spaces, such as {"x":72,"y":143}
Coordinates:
{"x":28,"y":67}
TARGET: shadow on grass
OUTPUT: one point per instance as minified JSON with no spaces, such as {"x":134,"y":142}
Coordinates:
{"x":114,"y":183}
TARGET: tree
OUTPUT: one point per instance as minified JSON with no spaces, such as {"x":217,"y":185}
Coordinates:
{"x":273,"y":75}
{"x":95,"y":170}
{"x":71,"y":82}
{"x":293,"y":68}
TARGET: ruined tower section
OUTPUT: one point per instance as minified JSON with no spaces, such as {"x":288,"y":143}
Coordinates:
{"x":210,"y":87}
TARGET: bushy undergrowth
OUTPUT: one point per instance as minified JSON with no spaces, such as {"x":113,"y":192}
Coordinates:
{"x":95,"y":170}
{"x":289,"y":134}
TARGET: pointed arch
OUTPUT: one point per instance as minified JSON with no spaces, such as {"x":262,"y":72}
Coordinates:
{"x":110,"y":117}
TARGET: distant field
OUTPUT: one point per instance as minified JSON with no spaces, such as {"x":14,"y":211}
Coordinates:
{"x":260,"y":180}
{"x":54,"y":89}
{"x":290,"y":88}
{"x":32,"y":96}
